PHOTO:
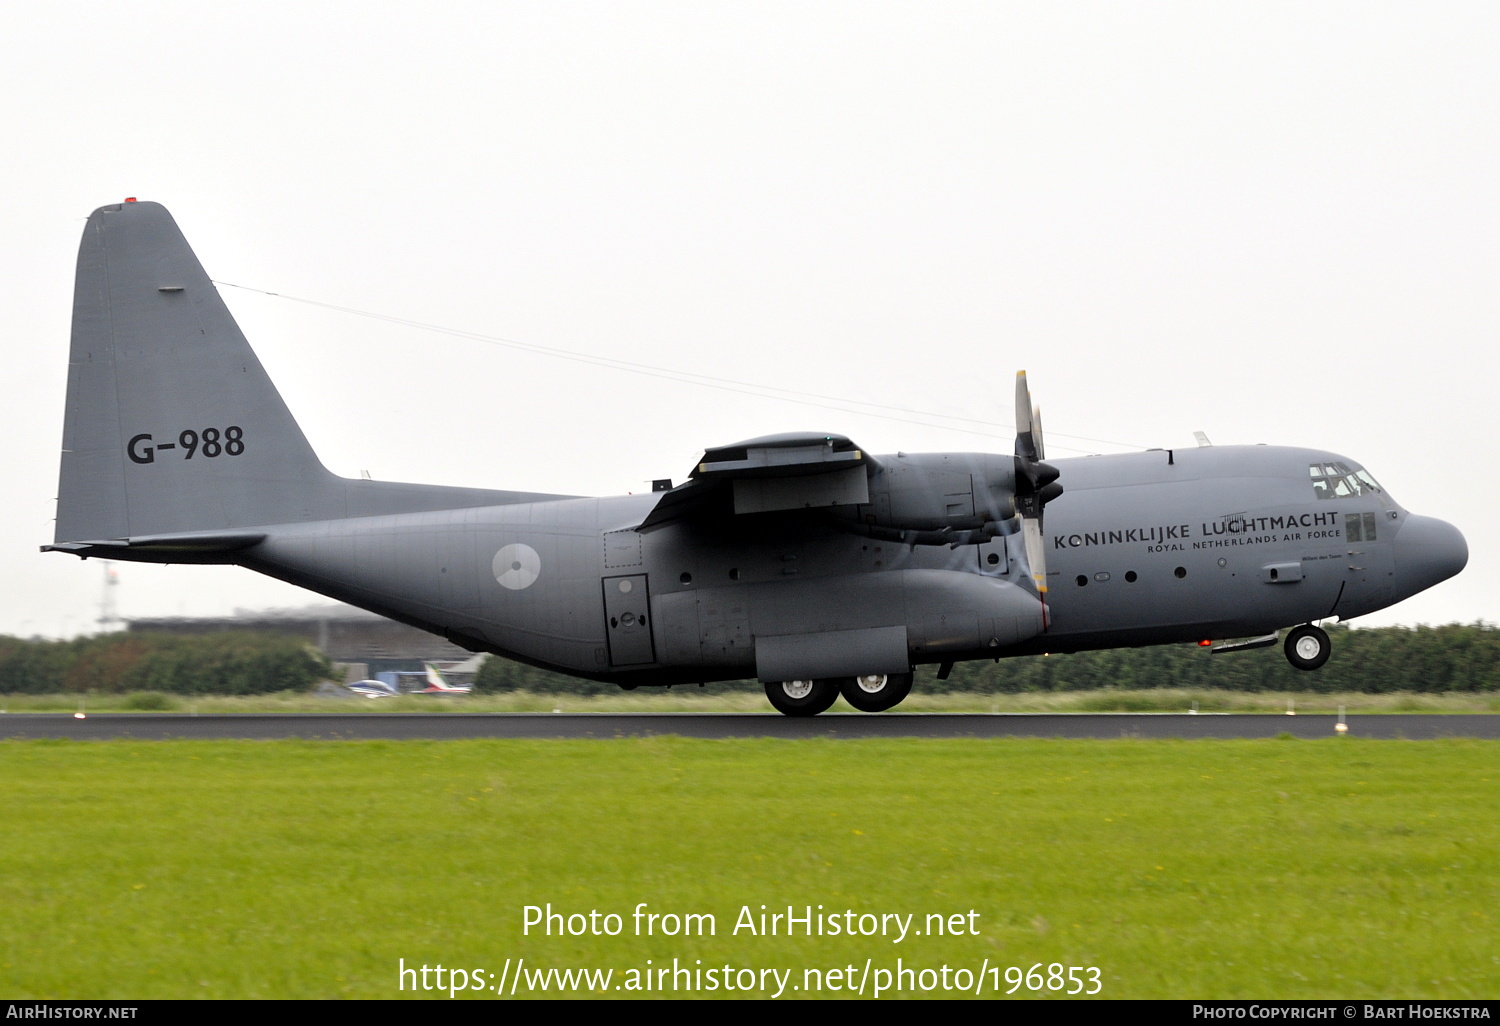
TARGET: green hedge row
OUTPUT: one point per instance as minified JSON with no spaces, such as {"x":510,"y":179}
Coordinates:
{"x":1454,"y":657}
{"x":214,"y":664}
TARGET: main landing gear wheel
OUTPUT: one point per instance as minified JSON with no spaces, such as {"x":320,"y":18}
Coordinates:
{"x":875,"y":692}
{"x":1308,"y":647}
{"x":802,"y":697}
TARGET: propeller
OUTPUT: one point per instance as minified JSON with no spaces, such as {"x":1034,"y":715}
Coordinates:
{"x":1036,"y":482}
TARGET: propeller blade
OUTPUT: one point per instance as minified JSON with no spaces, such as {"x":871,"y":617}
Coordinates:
{"x":1026,"y":446}
{"x":1036,"y":482}
{"x":1036,"y":553}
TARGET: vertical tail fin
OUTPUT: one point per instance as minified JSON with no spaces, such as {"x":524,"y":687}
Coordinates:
{"x":172,"y":424}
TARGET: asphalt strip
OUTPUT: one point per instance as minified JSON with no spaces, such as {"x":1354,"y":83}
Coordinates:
{"x":452,"y":726}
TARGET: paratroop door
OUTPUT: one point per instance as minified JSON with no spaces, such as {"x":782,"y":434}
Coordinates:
{"x":627,"y":609}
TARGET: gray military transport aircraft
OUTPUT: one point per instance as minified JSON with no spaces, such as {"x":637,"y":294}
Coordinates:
{"x":799,"y":559}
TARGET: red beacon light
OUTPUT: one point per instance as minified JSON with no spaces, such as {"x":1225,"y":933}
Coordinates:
{"x":129,"y":199}
{"x":1204,"y":643}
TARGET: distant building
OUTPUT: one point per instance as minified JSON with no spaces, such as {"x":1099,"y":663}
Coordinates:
{"x":371,"y":643}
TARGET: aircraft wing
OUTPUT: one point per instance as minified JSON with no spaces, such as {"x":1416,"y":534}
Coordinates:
{"x":798,"y":471}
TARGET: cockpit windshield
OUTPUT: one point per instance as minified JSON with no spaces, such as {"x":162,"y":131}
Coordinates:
{"x":1340,"y":481}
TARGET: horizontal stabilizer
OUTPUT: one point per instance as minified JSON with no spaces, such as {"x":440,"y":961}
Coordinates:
{"x":165,"y":548}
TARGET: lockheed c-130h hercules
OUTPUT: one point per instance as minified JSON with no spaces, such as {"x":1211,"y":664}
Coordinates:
{"x":798,"y":559}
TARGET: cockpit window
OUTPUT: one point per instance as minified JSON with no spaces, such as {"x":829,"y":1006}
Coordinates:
{"x":1340,"y":481}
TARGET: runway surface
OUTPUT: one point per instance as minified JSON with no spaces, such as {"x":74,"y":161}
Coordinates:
{"x":448,"y":726}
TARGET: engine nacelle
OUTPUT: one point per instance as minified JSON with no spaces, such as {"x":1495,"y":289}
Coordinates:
{"x":938,"y":498}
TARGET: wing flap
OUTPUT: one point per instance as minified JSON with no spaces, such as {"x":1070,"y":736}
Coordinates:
{"x":847,"y":487}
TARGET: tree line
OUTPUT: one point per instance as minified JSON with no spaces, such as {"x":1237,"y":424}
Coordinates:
{"x":231,"y":663}
{"x":1453,"y":657}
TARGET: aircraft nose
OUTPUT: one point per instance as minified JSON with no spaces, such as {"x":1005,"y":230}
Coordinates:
{"x":1428,"y":550}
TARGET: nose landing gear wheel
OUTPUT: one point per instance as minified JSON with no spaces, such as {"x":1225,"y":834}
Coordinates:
{"x":801,"y":697}
{"x":1307,"y":647}
{"x":875,"y":692}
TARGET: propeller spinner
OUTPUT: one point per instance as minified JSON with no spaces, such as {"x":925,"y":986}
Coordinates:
{"x":1036,"y":481}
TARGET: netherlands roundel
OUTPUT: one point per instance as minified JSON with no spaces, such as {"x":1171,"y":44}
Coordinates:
{"x":516,"y":566}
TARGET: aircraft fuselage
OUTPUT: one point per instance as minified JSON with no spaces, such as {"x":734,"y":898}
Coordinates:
{"x":1151,"y":547}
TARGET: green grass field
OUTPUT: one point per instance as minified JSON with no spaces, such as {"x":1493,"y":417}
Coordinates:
{"x":1213,"y":869}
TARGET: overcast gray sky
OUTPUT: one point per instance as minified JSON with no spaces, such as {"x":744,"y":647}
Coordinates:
{"x":1270,"y":222}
